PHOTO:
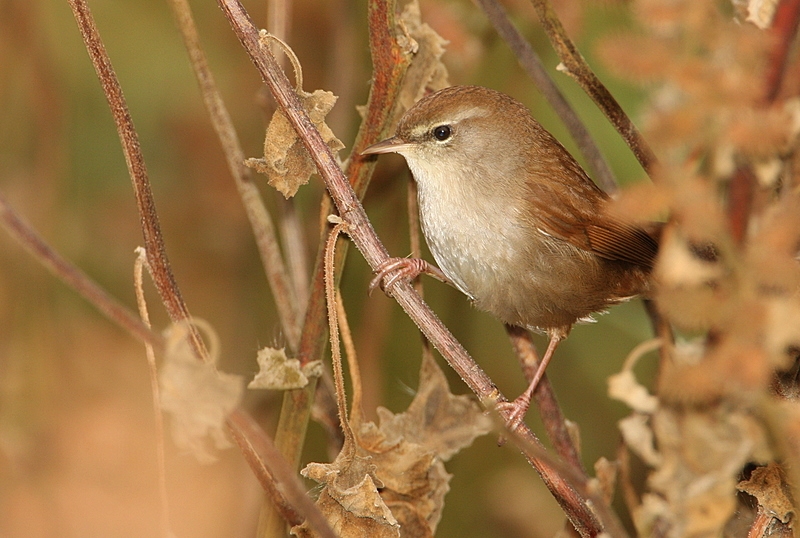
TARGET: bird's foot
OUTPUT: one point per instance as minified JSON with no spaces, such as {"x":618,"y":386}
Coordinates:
{"x":394,"y":269}
{"x":516,"y":410}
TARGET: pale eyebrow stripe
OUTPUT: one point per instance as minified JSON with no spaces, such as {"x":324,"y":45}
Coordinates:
{"x":474,"y":112}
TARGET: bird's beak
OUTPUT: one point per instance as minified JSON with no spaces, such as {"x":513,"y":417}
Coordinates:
{"x":390,"y":145}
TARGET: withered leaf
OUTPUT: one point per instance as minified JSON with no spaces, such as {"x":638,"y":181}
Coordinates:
{"x":278,"y":372}
{"x":701,"y":450}
{"x":768,"y":485}
{"x":625,"y":388}
{"x":702,"y":453}
{"x":404,"y":457}
{"x":197,"y":397}
{"x":409,"y":449}
{"x":426,"y":72}
{"x":349,"y":499}
{"x":437,"y":419}
{"x":286,"y":162}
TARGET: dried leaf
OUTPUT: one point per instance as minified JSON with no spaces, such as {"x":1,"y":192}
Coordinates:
{"x":197,"y":397}
{"x":404,"y":457}
{"x":638,"y":435}
{"x":409,"y":448}
{"x":702,"y":453}
{"x":437,"y":420}
{"x":702,"y":443}
{"x":286,"y":162}
{"x":277,"y":372}
{"x":350,"y":500}
{"x":760,"y":13}
{"x":625,"y":388}
{"x":768,"y":485}
{"x":426,"y":72}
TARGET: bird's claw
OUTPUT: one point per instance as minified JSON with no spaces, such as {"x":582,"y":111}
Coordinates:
{"x":519,"y":408}
{"x":394,"y":269}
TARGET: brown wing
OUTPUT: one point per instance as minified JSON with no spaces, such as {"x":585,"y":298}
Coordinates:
{"x":616,"y":240}
{"x":583,"y":223}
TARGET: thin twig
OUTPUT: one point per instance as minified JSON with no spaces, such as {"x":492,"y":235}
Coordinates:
{"x":784,"y":28}
{"x":279,"y":14}
{"x":535,"y":69}
{"x":575,"y":65}
{"x":158,"y":417}
{"x":286,"y":300}
{"x":349,"y":446}
{"x":154,"y":244}
{"x":352,"y":360}
{"x":364,"y":237}
{"x":246,"y":431}
{"x":294,"y":244}
{"x":76,"y":279}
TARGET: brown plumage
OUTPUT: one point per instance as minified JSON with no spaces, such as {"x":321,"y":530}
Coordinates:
{"x":511,"y":218}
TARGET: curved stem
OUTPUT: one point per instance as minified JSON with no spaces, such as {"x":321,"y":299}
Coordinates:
{"x":575,"y":66}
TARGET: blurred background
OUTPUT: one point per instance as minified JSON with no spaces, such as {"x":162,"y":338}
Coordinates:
{"x":77,"y":446}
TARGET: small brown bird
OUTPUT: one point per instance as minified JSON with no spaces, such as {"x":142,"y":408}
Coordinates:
{"x":512,"y":219}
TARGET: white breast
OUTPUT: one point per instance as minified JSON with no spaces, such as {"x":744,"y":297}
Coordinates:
{"x":469,"y":240}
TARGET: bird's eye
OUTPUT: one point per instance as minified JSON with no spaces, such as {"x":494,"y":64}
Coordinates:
{"x":441,"y":132}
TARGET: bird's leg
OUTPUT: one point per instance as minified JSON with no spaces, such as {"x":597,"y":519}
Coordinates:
{"x":519,"y":407}
{"x":392,"y":270}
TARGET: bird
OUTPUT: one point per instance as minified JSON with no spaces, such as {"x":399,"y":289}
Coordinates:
{"x":512,"y":220}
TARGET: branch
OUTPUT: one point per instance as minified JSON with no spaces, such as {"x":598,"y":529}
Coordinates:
{"x":247,"y":432}
{"x":575,"y":66}
{"x":73,"y":277}
{"x":286,"y":301}
{"x":535,"y":69}
{"x":160,"y":268}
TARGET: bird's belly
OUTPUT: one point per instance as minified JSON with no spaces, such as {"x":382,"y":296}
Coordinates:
{"x":467,"y":249}
{"x":483,"y":261}
{"x":513,"y":275}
